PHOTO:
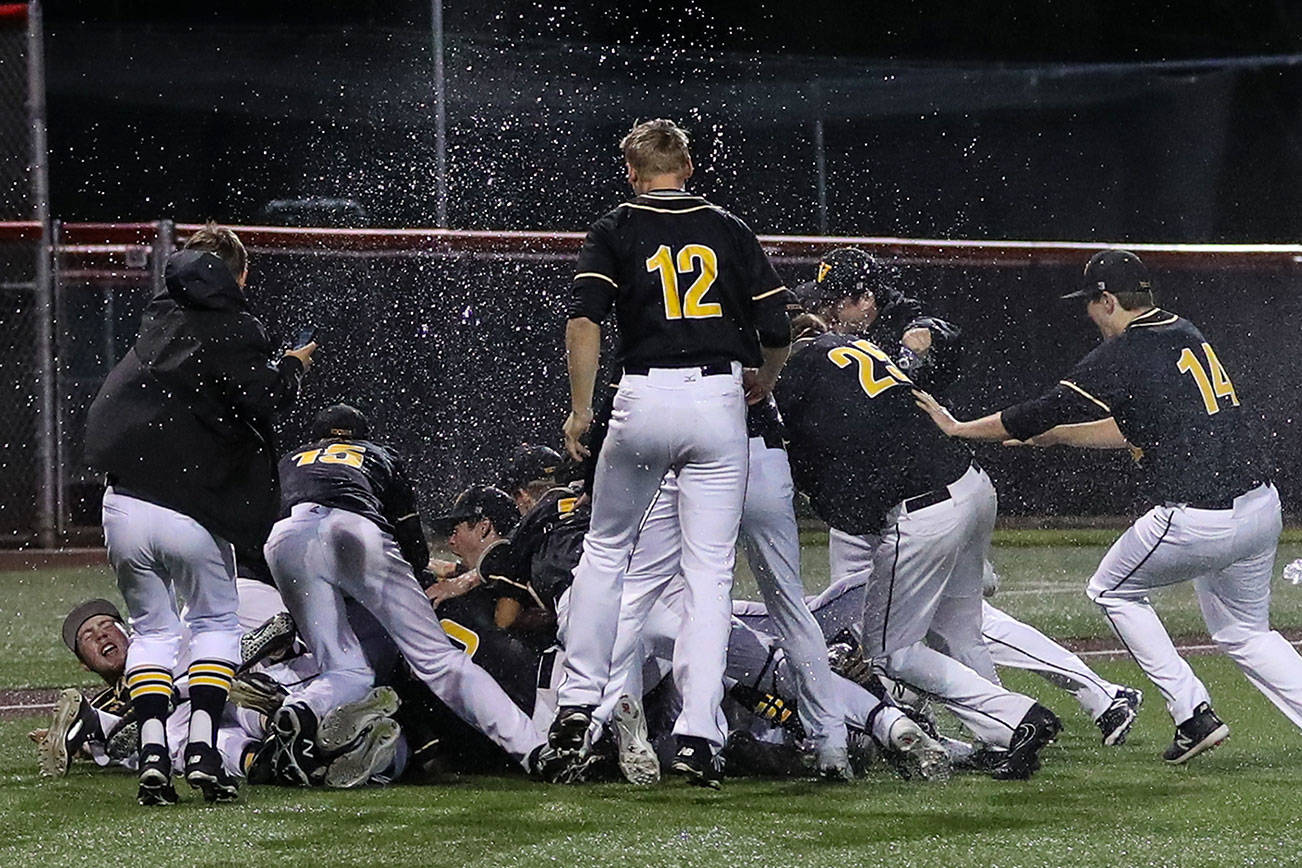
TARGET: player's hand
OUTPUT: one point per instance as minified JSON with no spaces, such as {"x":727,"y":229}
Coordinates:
{"x":757,"y":387}
{"x":38,"y":735}
{"x":446,"y":589}
{"x":304,"y":355}
{"x":944,"y":420}
{"x":918,"y":340}
{"x":443,"y":569}
{"x":575,"y":427}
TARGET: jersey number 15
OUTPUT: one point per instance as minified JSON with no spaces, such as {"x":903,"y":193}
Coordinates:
{"x":335,"y":453}
{"x":1212,"y":387}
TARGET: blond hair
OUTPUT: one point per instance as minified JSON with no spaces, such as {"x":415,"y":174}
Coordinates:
{"x":224,"y":243}
{"x":657,"y":147}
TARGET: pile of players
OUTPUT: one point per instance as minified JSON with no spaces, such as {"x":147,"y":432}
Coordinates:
{"x":591,"y":599}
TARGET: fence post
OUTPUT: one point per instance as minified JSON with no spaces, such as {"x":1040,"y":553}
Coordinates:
{"x":46,"y":371}
{"x":164,"y":244}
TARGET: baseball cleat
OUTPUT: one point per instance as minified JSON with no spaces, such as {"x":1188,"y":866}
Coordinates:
{"x":637,"y":760}
{"x":569,"y":731}
{"x":916,"y":754}
{"x":561,"y":767}
{"x":342,"y":725}
{"x":74,"y":720}
{"x":696,"y":761}
{"x":204,"y":772}
{"x":1116,"y":720}
{"x":295,"y":726}
{"x":376,"y":747}
{"x":156,"y":777}
{"x":1038,"y":728}
{"x":274,"y":636}
{"x":834,"y":764}
{"x":1200,"y":733}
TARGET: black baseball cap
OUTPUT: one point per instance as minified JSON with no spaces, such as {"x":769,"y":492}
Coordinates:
{"x":340,"y":420}
{"x":530,"y":464}
{"x":479,"y":502}
{"x":83,"y":613}
{"x":1113,"y":271}
{"x":845,"y":272}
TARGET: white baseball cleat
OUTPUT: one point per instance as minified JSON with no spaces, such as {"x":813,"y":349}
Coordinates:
{"x":342,"y":725}
{"x":920,"y":755}
{"x":374,"y":752}
{"x":69,"y":727}
{"x":637,"y":759}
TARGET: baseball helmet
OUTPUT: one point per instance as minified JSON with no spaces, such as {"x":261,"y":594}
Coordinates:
{"x":848,"y":272}
{"x":340,"y":420}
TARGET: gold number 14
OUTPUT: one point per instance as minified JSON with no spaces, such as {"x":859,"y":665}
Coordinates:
{"x":1218,"y":385}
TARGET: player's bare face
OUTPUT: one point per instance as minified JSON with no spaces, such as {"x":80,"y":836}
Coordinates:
{"x":467,"y":541}
{"x":1102,"y":312}
{"x":851,"y":315}
{"x":102,"y":646}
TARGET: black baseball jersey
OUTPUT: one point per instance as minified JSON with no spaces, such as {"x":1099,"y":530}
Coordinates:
{"x":1172,"y":399}
{"x":857,"y":442}
{"x":688,"y":281}
{"x":358,"y":476}
{"x":543,"y":550}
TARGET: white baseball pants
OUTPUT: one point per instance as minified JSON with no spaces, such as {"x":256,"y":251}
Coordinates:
{"x":1229,"y":554}
{"x":668,"y":419}
{"x":161,"y":555}
{"x":317,"y":555}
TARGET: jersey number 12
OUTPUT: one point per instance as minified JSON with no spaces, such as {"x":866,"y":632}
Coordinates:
{"x":690,"y":257}
{"x":1212,"y":387}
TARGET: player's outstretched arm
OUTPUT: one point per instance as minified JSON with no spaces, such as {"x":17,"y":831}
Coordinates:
{"x":986,"y":428}
{"x":583,"y":353}
{"x":1100,"y":434}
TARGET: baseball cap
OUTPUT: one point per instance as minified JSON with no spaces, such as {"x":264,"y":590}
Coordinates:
{"x":1114,"y":271}
{"x":844,"y":273}
{"x":528,"y":464}
{"x":479,"y":502}
{"x":83,"y":613}
{"x":340,"y":420}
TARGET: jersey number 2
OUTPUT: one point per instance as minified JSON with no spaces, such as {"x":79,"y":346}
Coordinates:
{"x":690,"y":257}
{"x":869,"y":358}
{"x":1212,"y":387}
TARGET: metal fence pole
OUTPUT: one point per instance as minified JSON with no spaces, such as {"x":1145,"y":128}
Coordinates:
{"x":47,"y":428}
{"x":440,"y":117}
{"x":820,"y":167}
{"x":164,"y":244}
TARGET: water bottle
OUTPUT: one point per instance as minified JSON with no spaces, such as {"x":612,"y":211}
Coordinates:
{"x":1293,"y":572}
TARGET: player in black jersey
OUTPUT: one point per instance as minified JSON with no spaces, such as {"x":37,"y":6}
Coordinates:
{"x":1156,"y":386}
{"x":345,"y":501}
{"x":696,"y":301}
{"x":928,"y":512}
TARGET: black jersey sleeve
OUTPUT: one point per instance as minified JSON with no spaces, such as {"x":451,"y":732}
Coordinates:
{"x":399,"y":502}
{"x":769,"y":297}
{"x":596,"y":280}
{"x":1087,"y":394}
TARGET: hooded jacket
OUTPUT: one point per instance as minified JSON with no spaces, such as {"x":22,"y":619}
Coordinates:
{"x":184,"y":420}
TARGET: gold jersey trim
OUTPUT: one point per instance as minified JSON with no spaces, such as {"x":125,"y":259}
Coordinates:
{"x":1075,"y":388}
{"x":596,"y":274}
{"x":767,"y":294}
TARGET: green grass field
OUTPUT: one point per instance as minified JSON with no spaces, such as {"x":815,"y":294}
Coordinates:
{"x":1089,"y":806}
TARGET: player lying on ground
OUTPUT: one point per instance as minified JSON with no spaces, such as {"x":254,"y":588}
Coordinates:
{"x":857,"y":294}
{"x":1156,"y":387}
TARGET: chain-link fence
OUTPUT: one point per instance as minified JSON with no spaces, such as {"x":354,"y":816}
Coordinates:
{"x":15,"y":125}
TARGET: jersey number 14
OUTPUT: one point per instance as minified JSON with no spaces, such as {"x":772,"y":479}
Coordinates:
{"x":1212,"y":387}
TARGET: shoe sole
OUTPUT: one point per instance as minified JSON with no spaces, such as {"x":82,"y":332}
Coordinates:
{"x":214,"y":789}
{"x":566,"y":734}
{"x":637,"y":760}
{"x":345,"y":723}
{"x":695,"y":776}
{"x":156,"y":789}
{"x":926,"y":758}
{"x":1119,"y":733}
{"x":256,"y":645}
{"x":284,"y":759}
{"x":53,"y":750}
{"x":378,"y":746}
{"x":1210,"y":741}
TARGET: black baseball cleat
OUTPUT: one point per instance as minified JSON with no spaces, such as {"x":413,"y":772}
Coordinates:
{"x":299,"y":762}
{"x":1116,"y":720}
{"x":156,"y":777}
{"x":204,"y":772}
{"x":569,"y":731}
{"x":74,"y":721}
{"x":1202,"y":732}
{"x":696,"y":761}
{"x":272,"y":638}
{"x":1038,"y":728}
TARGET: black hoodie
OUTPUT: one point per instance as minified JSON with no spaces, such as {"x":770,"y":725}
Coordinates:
{"x":185,"y":419}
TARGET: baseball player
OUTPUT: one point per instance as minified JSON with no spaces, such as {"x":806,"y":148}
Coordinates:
{"x":856,"y":294}
{"x":183,"y":428}
{"x":530,"y":473}
{"x":350,"y":527}
{"x":697,"y":301}
{"x":1156,"y":386}
{"x":929,"y":512}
